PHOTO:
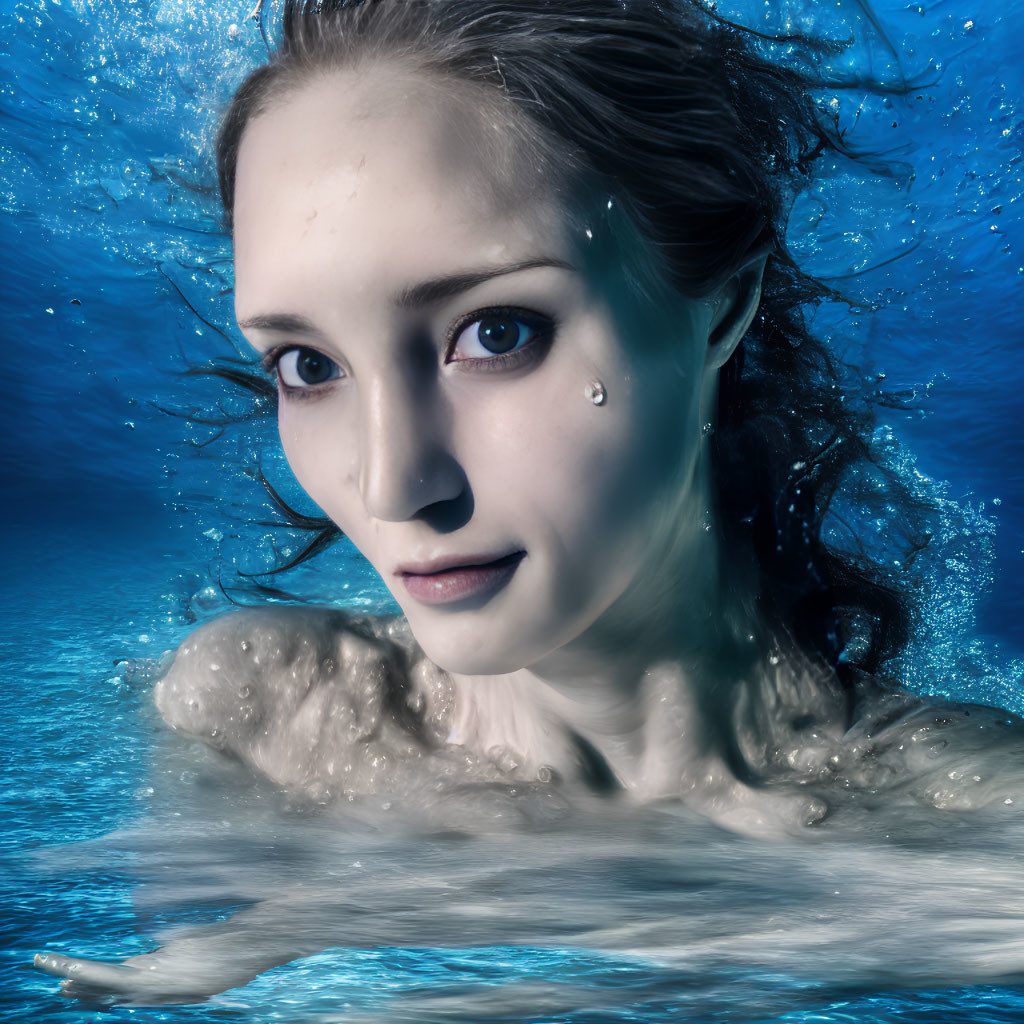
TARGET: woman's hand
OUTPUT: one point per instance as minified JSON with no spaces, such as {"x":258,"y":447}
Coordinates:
{"x":194,"y":962}
{"x":185,"y":971}
{"x":97,"y":981}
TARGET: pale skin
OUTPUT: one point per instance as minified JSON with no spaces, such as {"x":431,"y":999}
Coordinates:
{"x":424,"y":452}
{"x":612,"y":654}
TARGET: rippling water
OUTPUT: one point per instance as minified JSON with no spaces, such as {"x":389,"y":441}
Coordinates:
{"x":118,"y":529}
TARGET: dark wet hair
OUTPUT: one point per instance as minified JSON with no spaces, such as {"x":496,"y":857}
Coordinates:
{"x":703,"y":139}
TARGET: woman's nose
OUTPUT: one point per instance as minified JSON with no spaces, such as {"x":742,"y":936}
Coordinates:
{"x":406,"y":464}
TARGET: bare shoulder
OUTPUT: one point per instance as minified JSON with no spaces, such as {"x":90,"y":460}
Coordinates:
{"x":952,"y":755}
{"x":291,"y":690}
{"x":903,"y":718}
{"x":264,"y":658}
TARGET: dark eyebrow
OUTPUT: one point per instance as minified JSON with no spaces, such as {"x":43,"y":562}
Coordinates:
{"x":288,"y":323}
{"x":428,"y":292}
{"x":423,"y":294}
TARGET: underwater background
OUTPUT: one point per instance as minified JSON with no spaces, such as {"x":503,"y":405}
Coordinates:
{"x":123,"y":524}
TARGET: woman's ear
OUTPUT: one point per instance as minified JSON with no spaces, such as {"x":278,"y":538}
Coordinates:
{"x":734,"y":306}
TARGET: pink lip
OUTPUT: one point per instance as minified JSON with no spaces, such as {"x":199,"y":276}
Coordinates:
{"x":440,"y":583}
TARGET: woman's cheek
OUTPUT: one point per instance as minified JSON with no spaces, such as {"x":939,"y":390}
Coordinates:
{"x":305,"y":441}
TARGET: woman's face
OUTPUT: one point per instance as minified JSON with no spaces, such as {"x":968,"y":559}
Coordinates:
{"x":437,"y":326}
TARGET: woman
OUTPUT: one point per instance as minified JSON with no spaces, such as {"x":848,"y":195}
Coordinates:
{"x":519,"y":269}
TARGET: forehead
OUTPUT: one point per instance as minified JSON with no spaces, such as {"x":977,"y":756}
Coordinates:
{"x":394,"y":166}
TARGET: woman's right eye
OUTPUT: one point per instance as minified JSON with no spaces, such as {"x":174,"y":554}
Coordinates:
{"x":305,"y":368}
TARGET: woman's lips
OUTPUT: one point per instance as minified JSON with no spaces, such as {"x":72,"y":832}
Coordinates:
{"x":461,"y":581}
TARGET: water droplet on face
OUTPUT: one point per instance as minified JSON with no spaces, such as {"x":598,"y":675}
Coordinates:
{"x":595,"y":392}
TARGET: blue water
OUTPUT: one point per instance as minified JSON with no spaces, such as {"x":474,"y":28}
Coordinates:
{"x":120,"y":524}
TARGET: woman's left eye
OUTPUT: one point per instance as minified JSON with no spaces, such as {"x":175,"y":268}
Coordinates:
{"x":493,"y":335}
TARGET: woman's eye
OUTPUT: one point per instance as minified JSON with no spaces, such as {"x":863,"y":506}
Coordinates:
{"x":494,"y":334}
{"x":305,"y":367}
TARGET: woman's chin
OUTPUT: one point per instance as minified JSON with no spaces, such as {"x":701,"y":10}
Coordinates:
{"x":463,"y":663}
{"x":481,"y":654}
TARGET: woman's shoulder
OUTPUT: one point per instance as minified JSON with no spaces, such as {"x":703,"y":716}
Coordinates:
{"x":888,"y":747}
{"x":301,"y":694}
{"x":950,"y":754}
{"x":901,"y":749}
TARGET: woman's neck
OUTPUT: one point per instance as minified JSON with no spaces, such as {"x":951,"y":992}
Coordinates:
{"x":649,"y":722}
{"x":695,"y":735}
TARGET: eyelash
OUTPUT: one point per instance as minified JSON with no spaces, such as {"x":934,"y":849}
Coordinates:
{"x":543,"y":326}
